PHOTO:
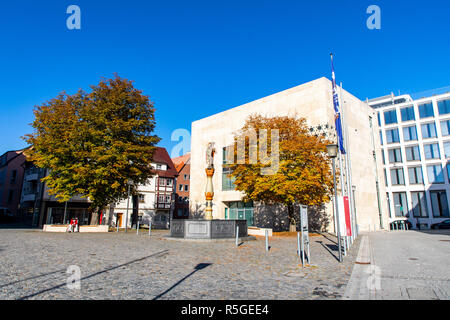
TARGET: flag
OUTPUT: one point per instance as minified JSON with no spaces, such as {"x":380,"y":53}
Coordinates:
{"x":337,"y":112}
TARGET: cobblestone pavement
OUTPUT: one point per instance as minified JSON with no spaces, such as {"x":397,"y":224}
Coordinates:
{"x":121,"y":265}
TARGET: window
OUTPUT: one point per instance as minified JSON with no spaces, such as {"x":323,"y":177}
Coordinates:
{"x":419,"y":204}
{"x":240,"y":210}
{"x":395,"y":155}
{"x":141,"y":197}
{"x":180,"y":187}
{"x":415,"y":175}
{"x":400,"y":204}
{"x":407,"y":113}
{"x":186,"y":187}
{"x":448,"y":171}
{"x":426,"y":110}
{"x":428,"y":130}
{"x":381,"y":138}
{"x":10,"y":196}
{"x":439,"y":203}
{"x":167,"y":198}
{"x":169,"y":182}
{"x":160,"y":198}
{"x":385,"y":177}
{"x":444,"y":106}
{"x":392,"y":136}
{"x":186,"y":177}
{"x":431,"y":151}
{"x":227,"y":182}
{"x":13,"y":177}
{"x":410,"y":133}
{"x":447,"y":149}
{"x":158,"y":166}
{"x":435,"y":174}
{"x":379,"y":119}
{"x":390,"y":117}
{"x":388,"y":204}
{"x":445,"y":127}
{"x":397,"y":177}
{"x":412,"y":153}
{"x":162,"y":182}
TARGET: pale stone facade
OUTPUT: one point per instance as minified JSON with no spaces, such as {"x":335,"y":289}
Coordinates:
{"x":312,"y":101}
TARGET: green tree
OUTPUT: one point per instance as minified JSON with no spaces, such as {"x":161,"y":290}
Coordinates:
{"x":93,"y":143}
{"x":303,"y":174}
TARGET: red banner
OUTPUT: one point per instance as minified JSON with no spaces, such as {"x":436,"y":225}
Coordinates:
{"x":348,"y":222}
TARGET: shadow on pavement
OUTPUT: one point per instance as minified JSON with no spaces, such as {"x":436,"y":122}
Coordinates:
{"x":198,"y":267}
{"x":155,"y":255}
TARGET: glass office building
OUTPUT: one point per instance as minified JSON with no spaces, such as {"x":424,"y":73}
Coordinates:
{"x":415,"y":139}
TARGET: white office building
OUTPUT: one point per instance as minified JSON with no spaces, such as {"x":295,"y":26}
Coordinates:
{"x":415,"y":139}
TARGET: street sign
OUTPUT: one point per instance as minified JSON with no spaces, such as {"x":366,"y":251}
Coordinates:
{"x":305,"y":234}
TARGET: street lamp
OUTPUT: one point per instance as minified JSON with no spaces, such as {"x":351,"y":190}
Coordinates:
{"x":332,"y":150}
{"x":129,"y":182}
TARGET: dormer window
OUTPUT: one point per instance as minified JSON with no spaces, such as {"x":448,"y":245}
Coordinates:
{"x":158,"y":166}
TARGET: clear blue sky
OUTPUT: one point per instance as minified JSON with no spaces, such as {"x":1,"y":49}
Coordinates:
{"x":196,"y":58}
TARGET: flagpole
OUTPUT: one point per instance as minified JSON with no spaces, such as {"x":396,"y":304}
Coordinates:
{"x":348,"y":174}
{"x":341,"y":151}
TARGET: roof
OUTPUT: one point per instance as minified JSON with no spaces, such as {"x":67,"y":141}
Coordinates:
{"x":161,"y":156}
{"x":181,"y":161}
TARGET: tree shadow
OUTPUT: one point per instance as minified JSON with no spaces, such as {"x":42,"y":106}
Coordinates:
{"x":198,"y":267}
{"x":197,"y":211}
{"x":31,"y":278}
{"x":154,"y":255}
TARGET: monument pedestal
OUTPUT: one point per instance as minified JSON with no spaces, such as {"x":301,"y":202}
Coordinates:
{"x":207,"y":229}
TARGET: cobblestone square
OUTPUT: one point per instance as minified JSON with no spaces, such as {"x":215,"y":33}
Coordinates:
{"x":122,"y":265}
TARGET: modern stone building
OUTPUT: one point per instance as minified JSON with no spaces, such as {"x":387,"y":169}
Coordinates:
{"x":415,"y":135}
{"x":313,"y":101}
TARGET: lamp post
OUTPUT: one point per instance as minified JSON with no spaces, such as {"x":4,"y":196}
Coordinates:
{"x":332,"y":150}
{"x":129,"y":182}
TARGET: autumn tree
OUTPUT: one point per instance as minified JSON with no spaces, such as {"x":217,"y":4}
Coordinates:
{"x":93,"y":143}
{"x":303,"y":173}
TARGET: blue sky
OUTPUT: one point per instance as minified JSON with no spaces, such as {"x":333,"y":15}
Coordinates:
{"x":197,"y":58}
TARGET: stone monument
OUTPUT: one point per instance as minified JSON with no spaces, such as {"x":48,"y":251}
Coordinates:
{"x":209,"y":228}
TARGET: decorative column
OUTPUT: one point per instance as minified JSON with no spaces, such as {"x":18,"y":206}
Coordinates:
{"x":209,"y":193}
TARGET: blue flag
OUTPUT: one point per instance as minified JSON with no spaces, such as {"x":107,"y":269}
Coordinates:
{"x":337,"y":113}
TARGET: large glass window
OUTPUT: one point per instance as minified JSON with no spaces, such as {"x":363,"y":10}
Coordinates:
{"x":426,"y":110}
{"x":444,"y":106}
{"x":238,"y":210}
{"x":435,"y":174}
{"x":439,"y":203}
{"x":419,"y":204}
{"x":397,"y":176}
{"x":390,"y":117}
{"x":395,"y":155}
{"x":412,"y":153}
{"x":381,"y":138}
{"x":415,"y":175}
{"x":410,"y":133}
{"x":431,"y":151}
{"x":407,"y":113}
{"x":445,"y":127}
{"x":379,"y":119}
{"x":447,"y":149}
{"x":400,"y":204}
{"x":392,"y":136}
{"x":227,"y":180}
{"x":428,"y":130}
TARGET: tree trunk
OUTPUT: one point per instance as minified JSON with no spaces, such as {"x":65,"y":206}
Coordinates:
{"x":291,"y":218}
{"x":94,"y":217}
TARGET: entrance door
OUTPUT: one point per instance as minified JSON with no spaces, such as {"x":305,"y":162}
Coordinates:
{"x":119,"y":219}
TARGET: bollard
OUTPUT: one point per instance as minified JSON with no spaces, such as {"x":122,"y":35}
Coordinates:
{"x":150,"y":228}
{"x":117,"y":225}
{"x":267,"y":240}
{"x":237,"y":236}
{"x":298,"y":244}
{"x":137,"y":228}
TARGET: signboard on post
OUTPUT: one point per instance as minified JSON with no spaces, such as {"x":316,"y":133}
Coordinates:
{"x":305,"y":233}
